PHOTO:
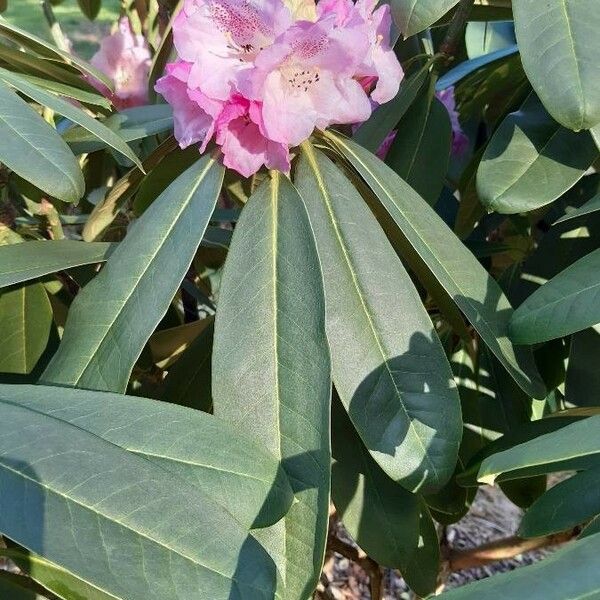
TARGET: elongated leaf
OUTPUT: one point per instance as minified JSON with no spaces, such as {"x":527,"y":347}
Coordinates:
{"x":530,"y":147}
{"x":582,"y":380}
{"x":412,"y":16}
{"x":568,"y":303}
{"x":482,"y":38}
{"x":129,"y":124}
{"x":271,"y":373}
{"x":567,"y":573}
{"x":591,"y":206}
{"x":421,"y":150}
{"x":467,"y":67}
{"x":575,"y":440}
{"x":66,"y":109}
{"x":189,"y":380}
{"x":120,"y":513}
{"x":145,"y":270}
{"x":90,"y":8}
{"x":471,"y":287}
{"x":388,"y":364}
{"x":567,"y":504}
{"x":373,"y":132}
{"x":560,"y":56}
{"x":44,"y":48}
{"x":17,"y":587}
{"x":59,"y":581}
{"x":230,"y":467}
{"x":22,"y":262}
{"x":25,"y":321}
{"x":381,"y":516}
{"x":94,"y":99}
{"x":36,"y":152}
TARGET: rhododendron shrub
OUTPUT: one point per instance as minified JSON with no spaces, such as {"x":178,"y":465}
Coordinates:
{"x":261,"y":80}
{"x":283,"y":283}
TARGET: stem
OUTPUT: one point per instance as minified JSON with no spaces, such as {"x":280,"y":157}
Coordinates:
{"x":503,"y":549}
{"x":451,"y":42}
{"x":369,"y":566}
{"x":60,"y":39}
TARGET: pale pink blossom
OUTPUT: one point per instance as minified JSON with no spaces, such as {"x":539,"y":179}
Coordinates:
{"x":244,"y":147}
{"x":379,"y":65}
{"x":305,"y":80}
{"x":221,"y":39}
{"x":125,"y":59}
{"x":460,"y":142}
{"x":259,"y":76}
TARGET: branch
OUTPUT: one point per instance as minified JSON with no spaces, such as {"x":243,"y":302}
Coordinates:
{"x":58,"y":36}
{"x":451,"y":42}
{"x":503,"y":549}
{"x":369,"y":566}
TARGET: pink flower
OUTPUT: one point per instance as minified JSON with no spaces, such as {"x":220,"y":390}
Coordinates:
{"x":460,"y":142}
{"x":305,"y":80}
{"x":194,"y":113}
{"x":125,"y":59}
{"x":380,"y":65}
{"x":221,"y":39}
{"x":260,"y":75}
{"x":244,"y":147}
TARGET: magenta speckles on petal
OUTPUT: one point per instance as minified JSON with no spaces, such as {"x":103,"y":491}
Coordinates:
{"x":260,"y":81}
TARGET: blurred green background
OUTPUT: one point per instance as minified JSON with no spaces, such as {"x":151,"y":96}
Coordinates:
{"x":84,"y":34}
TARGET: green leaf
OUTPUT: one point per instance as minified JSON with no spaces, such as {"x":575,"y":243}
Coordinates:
{"x":36,"y":152}
{"x":421,"y":149}
{"x":59,"y":581}
{"x":157,"y":180}
{"x":188,"y":382}
{"x":66,"y":109}
{"x":30,"y":260}
{"x":467,"y":67}
{"x":130,"y":124}
{"x":569,"y":302}
{"x":482,"y":38}
{"x":471,"y":287}
{"x":591,"y":206}
{"x":68,"y":91}
{"x":382,"y":517}
{"x":413,"y":16}
{"x":235,"y":470}
{"x":388,"y":364}
{"x":17,"y":587}
{"x":560,"y":50}
{"x":373,"y":132}
{"x":90,"y":8}
{"x":567,"y":504}
{"x":576,"y":440}
{"x":145,"y":270}
{"x":107,"y":515}
{"x":51,"y":53}
{"x":568,"y":573}
{"x":271,"y":373}
{"x":530,"y":147}
{"x":25,"y":322}
{"x":582,"y":380}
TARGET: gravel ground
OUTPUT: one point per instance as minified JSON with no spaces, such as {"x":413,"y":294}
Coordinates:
{"x":492,"y":517}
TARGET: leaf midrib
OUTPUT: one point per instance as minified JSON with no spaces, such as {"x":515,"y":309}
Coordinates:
{"x":482,"y":320}
{"x":308,"y":151}
{"x":153,"y":255}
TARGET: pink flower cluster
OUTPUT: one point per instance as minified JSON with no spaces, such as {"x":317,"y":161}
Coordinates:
{"x":125,"y":59}
{"x":260,"y":75}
